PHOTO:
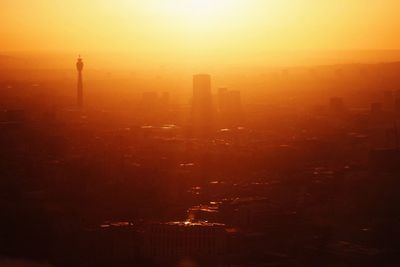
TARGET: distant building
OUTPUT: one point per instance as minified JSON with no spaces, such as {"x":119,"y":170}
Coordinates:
{"x":202,"y":106}
{"x":79,"y":67}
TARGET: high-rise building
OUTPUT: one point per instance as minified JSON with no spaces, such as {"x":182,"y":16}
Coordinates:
{"x":202,"y":107}
{"x":79,"y":67}
{"x":202,"y":98}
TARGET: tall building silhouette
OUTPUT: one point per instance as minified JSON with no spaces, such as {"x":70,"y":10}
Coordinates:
{"x":202,"y":109}
{"x":202,"y":98}
{"x":79,"y":67}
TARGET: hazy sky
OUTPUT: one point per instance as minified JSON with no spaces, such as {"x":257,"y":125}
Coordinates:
{"x":198,"y":28}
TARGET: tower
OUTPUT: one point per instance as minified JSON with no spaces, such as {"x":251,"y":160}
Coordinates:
{"x":79,"y":67}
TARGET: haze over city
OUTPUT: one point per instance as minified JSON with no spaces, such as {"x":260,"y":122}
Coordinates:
{"x":190,"y":133}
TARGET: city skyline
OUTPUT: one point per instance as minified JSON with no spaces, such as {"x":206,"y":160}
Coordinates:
{"x":199,"y":133}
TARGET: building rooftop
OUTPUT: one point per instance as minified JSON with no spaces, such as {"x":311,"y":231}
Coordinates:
{"x":193,"y":224}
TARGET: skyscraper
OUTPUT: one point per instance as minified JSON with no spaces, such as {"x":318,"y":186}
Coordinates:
{"x":202,"y":98}
{"x":202,"y":109}
{"x":79,"y":67}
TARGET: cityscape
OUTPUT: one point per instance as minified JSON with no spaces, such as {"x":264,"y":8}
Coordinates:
{"x":228,"y":166}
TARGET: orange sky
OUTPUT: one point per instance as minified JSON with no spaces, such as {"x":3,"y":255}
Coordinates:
{"x":199,"y":29}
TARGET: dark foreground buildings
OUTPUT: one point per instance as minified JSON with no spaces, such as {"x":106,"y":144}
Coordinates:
{"x":288,"y":185}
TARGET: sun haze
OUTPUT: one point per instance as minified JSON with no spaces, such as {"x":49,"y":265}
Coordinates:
{"x":188,"y":133}
{"x":237,"y":30}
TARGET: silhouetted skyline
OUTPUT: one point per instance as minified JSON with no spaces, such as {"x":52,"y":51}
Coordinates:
{"x":196,"y":133}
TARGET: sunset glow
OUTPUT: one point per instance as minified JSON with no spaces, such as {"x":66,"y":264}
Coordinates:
{"x":188,"y":133}
{"x":197,"y":28}
{"x":196,"y":11}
